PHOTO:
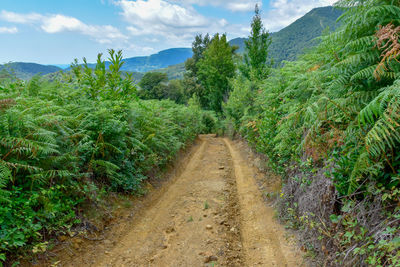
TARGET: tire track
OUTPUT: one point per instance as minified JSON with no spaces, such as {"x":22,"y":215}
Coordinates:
{"x":261,"y":234}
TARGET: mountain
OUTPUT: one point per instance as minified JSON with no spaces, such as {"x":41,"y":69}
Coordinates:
{"x":162,"y":59}
{"x":291,"y":41}
{"x":239,"y":42}
{"x":27,"y":70}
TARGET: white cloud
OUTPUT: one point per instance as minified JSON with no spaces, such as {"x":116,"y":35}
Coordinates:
{"x":243,"y":7}
{"x":8,"y":30}
{"x":56,"y":23}
{"x":232,"y":5}
{"x":20,"y":18}
{"x":284,"y":12}
{"x":174,"y":24}
{"x":61,"y":23}
{"x":159,"y":15}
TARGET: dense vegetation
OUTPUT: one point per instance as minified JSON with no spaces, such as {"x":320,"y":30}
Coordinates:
{"x":330,"y":124}
{"x":67,"y":143}
{"x":155,"y":85}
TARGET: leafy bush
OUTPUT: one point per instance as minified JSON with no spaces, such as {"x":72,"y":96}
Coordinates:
{"x":63,"y":143}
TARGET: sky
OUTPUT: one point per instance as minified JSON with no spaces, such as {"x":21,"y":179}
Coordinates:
{"x":57,"y":31}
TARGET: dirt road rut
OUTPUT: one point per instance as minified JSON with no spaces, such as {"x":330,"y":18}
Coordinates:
{"x":212,"y":214}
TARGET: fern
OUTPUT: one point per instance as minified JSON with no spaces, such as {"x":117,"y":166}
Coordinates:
{"x":5,"y":177}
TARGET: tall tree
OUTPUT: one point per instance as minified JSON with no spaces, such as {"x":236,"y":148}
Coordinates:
{"x":199,"y":45}
{"x":256,"y":62}
{"x":214,"y":71}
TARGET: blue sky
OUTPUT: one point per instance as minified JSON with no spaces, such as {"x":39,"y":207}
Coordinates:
{"x":57,"y":31}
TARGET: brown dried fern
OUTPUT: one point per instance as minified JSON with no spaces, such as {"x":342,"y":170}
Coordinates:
{"x":388,"y":41}
{"x":6,"y":103}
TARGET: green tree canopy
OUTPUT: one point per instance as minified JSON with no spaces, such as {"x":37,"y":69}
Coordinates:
{"x":153,"y":85}
{"x":214,"y":71}
{"x":199,"y":45}
{"x":256,"y":52}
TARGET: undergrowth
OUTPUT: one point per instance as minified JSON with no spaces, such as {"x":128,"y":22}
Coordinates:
{"x":330,"y":125}
{"x":68,"y":142}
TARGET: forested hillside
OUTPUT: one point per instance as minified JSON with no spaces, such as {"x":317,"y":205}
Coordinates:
{"x":27,"y":70}
{"x":292,"y":40}
{"x":161,"y":60}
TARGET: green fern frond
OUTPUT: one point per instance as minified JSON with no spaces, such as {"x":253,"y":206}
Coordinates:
{"x":360,"y":58}
{"x":5,"y":177}
{"x":362,"y":43}
{"x":383,"y":11}
{"x":366,"y":73}
{"x":385,"y":134}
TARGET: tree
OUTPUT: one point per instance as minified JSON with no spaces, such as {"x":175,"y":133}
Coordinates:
{"x":153,"y":85}
{"x":176,"y":92}
{"x":214,"y":71}
{"x":199,"y":45}
{"x":256,"y":62}
{"x":102,"y":83}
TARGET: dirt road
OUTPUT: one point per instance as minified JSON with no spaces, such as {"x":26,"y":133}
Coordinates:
{"x":211,"y":214}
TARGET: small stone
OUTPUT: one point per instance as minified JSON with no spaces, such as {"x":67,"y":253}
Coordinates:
{"x":78,"y":240}
{"x":76,"y":243}
{"x":62,"y":238}
{"x":106,"y":252}
{"x":210,"y":259}
{"x":233,"y":229}
{"x":170,"y":229}
{"x":204,"y":215}
{"x":221,"y":167}
{"x":209,"y":227}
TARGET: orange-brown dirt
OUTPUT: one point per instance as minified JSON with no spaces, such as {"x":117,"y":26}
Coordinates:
{"x":211,"y":213}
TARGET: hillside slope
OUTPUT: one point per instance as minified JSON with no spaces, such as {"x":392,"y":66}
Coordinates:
{"x":160,"y":60}
{"x":291,"y":41}
{"x":28,"y":70}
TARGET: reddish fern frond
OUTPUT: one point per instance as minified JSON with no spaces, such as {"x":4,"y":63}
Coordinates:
{"x":388,"y":41}
{"x":6,"y":103}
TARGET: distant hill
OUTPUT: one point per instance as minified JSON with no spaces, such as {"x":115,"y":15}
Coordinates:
{"x":174,"y":72}
{"x":291,"y":41}
{"x":160,"y":60}
{"x":239,"y":42}
{"x":28,"y":70}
